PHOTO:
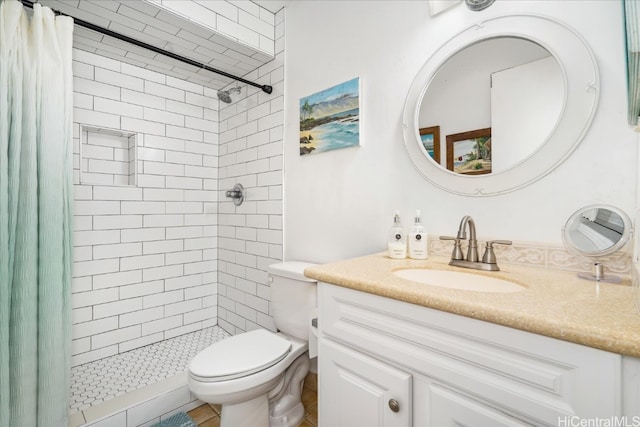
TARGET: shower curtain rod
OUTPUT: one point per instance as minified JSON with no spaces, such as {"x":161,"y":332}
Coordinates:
{"x":110,"y":33}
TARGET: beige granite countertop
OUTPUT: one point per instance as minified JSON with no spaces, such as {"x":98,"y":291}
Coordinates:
{"x":556,"y":303}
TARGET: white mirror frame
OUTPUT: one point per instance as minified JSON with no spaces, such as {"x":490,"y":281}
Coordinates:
{"x":582,"y":87}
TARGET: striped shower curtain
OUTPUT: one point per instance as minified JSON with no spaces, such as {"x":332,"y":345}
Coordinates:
{"x":36,"y":185}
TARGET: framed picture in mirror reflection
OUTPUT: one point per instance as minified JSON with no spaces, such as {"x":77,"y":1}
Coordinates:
{"x":430,"y":138}
{"x":469,"y":153}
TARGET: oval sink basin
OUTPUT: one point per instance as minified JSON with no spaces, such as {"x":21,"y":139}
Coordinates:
{"x":458,"y":280}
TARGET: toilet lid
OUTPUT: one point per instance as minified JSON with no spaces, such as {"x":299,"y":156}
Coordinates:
{"x":239,"y":356}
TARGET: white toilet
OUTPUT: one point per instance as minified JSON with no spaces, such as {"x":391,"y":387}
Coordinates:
{"x":257,"y":376}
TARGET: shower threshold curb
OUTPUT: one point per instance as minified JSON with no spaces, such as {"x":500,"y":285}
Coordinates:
{"x":125,"y":407}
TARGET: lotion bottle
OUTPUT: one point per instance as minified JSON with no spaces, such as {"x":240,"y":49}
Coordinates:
{"x":418,"y":247}
{"x":397,"y":241}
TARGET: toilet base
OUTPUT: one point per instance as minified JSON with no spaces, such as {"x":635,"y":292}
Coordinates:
{"x":286,"y":409}
{"x":281,"y":407}
{"x":254,"y":412}
{"x":291,"y":418}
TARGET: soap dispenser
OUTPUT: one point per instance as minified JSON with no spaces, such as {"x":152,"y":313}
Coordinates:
{"x":418,"y":241}
{"x":397,"y":242}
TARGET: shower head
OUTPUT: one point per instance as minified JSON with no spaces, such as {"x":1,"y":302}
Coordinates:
{"x":225,"y":95}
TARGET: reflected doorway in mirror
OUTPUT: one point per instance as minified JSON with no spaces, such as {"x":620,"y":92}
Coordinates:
{"x":430,"y":138}
{"x":469,"y":153}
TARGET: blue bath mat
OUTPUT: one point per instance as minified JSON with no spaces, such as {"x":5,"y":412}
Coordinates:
{"x":178,"y":420}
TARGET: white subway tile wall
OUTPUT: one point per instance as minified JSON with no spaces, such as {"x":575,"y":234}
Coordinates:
{"x":232,"y":36}
{"x":145,"y":256}
{"x":250,"y":235}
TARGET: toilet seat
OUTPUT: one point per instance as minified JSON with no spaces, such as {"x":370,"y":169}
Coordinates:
{"x":239,"y":356}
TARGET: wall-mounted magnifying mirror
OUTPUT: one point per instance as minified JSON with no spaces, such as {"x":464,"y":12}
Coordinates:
{"x":596,"y":231}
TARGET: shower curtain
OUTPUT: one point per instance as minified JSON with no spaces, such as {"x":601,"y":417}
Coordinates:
{"x":36,"y":187}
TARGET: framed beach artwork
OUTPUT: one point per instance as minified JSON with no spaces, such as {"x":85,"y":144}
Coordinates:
{"x":330,"y":119}
{"x":430,"y":138}
{"x":469,"y":153}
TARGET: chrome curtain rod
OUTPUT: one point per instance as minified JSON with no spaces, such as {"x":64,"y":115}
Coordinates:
{"x":108,"y":32}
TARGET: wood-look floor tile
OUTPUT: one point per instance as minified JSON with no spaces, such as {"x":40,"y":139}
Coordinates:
{"x":217,"y":408}
{"x":311,"y":412}
{"x":201,"y":414}
{"x":309,"y":397}
{"x":213,"y":422}
{"x":311,"y":382}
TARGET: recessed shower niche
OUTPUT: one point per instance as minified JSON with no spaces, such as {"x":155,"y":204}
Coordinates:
{"x":108,"y":156}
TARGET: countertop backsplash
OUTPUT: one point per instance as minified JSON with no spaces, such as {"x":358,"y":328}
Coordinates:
{"x":536,"y":254}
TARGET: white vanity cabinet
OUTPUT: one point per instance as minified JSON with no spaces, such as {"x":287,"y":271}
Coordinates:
{"x":384,"y":362}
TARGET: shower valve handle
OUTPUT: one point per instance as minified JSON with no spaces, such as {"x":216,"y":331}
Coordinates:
{"x":236,"y":194}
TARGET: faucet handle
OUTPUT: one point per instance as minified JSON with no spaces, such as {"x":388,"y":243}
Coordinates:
{"x":489,"y":256}
{"x":457,"y":249}
{"x":499,"y":242}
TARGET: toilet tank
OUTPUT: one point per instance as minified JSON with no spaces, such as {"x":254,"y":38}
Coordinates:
{"x":293,"y":296}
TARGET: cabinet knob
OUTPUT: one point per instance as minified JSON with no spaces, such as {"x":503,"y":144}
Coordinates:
{"x":394,"y":405}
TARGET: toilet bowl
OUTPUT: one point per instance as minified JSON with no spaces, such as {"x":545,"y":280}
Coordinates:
{"x":257,"y":376}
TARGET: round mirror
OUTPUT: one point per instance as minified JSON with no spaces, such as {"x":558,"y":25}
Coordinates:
{"x":595,"y":231}
{"x":500,"y":105}
{"x":512,"y":88}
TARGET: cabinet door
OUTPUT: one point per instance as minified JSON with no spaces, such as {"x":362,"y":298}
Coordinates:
{"x":449,"y":408}
{"x":356,"y":390}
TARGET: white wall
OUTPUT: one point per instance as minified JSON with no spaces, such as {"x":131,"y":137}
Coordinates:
{"x":340,"y":204}
{"x":144,"y":256}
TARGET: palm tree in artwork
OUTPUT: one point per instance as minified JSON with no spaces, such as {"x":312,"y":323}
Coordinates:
{"x":305,"y":111}
{"x":483,"y":147}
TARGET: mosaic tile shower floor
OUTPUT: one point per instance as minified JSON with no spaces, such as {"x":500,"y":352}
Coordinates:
{"x":104,"y":379}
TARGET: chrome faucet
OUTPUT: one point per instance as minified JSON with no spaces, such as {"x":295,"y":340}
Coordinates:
{"x":488,"y":263}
